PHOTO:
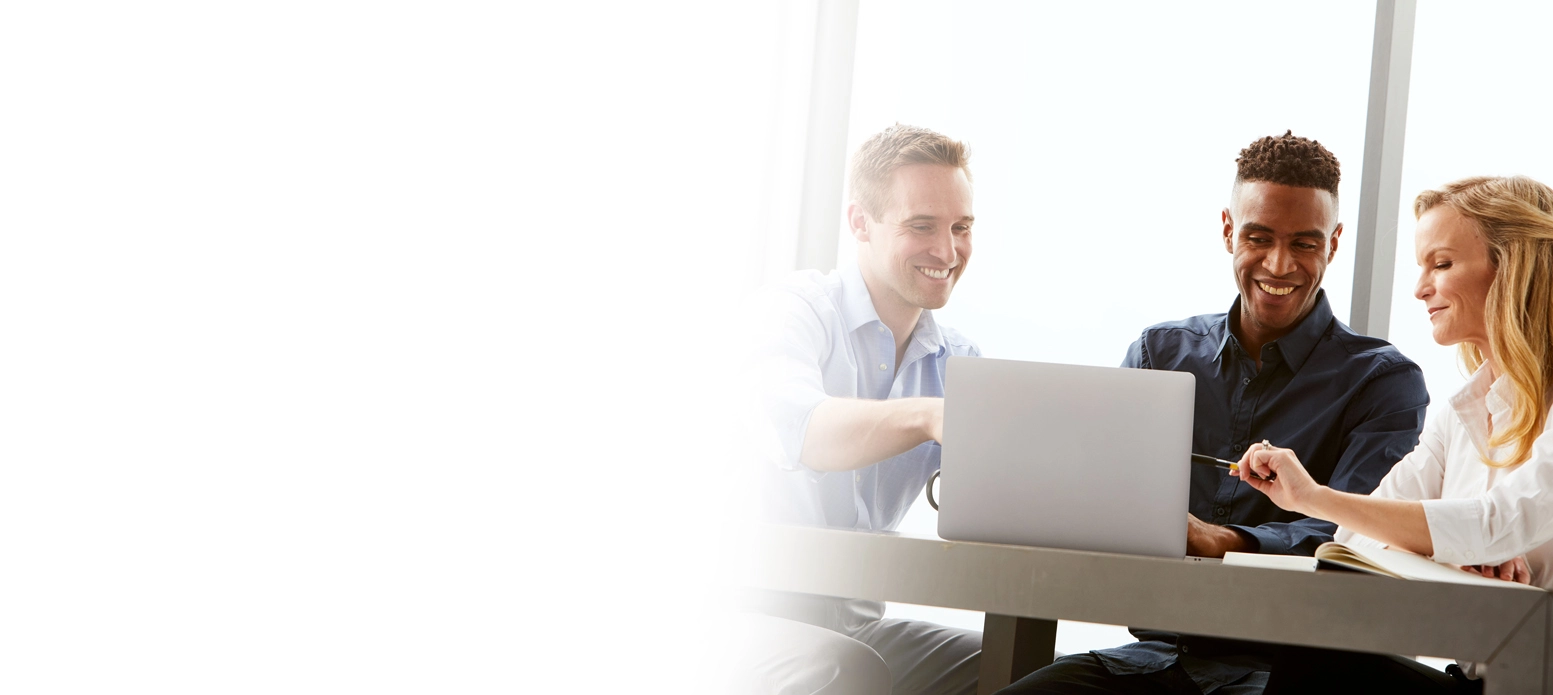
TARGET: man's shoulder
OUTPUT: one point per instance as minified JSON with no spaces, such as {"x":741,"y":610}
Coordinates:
{"x":957,"y":342}
{"x":1203,"y":325}
{"x":1193,"y":329}
{"x":807,"y":293}
{"x":1183,"y":344}
{"x":806,"y":285}
{"x":1364,"y":348}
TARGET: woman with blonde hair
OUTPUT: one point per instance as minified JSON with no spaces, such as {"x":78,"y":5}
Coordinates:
{"x":1478,"y":489}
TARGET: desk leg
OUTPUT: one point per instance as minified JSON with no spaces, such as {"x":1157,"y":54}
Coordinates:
{"x":1521,"y":664}
{"x":1011,"y":648}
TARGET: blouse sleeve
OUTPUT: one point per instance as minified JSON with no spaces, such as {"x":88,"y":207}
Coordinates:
{"x":1510,"y":518}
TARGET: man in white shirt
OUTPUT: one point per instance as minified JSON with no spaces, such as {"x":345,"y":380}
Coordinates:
{"x":848,"y":370}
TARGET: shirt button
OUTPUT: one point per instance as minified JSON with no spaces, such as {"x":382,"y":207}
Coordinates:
{"x":858,"y":477}
{"x":1245,"y":381}
{"x":1471,"y":556}
{"x":883,"y":366}
{"x":881,"y":329}
{"x":1219,"y":511}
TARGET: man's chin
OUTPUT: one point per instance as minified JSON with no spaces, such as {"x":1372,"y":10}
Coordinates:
{"x":1277,"y":321}
{"x":932,"y":300}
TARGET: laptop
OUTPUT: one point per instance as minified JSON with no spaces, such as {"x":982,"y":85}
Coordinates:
{"x":1066,"y":456}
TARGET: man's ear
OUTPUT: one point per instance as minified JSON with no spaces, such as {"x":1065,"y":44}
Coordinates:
{"x":1332,"y":250}
{"x":1229,"y":231}
{"x":857,"y":221}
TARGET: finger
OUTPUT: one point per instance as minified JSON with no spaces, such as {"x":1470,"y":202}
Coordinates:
{"x":1262,"y":463}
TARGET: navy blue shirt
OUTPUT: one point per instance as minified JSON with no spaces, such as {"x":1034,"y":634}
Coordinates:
{"x":1349,"y":406}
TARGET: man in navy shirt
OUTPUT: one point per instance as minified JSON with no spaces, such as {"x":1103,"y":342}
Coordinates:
{"x":1276,"y":367}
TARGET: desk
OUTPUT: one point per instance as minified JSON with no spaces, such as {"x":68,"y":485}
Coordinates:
{"x":1024,"y":591}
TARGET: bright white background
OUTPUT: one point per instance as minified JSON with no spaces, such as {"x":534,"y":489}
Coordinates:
{"x":355,"y":346}
{"x":366,"y":347}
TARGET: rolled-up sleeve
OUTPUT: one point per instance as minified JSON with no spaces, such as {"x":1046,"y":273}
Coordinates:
{"x":786,"y":342}
{"x":1511,"y":518}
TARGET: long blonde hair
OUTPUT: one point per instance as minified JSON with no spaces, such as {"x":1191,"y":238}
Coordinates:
{"x":1515,"y":217}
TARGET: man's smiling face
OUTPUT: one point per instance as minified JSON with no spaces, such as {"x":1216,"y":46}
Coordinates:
{"x":1282,"y":238}
{"x":920,"y":243}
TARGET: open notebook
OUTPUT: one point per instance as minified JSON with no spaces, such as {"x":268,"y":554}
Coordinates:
{"x":1381,"y":561}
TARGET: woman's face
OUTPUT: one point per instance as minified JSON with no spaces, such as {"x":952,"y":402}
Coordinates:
{"x":1455,"y":274}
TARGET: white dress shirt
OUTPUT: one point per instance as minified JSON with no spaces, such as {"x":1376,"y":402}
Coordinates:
{"x":817,"y":336}
{"x":1478,"y":514}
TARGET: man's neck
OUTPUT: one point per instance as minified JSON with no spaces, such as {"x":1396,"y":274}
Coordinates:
{"x":898,"y":316}
{"x":1251,"y":339}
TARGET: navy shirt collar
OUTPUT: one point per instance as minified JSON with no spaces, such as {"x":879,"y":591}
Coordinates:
{"x":1300,"y":342}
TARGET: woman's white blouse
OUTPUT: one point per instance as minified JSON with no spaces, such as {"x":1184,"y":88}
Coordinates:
{"x":1477,"y":514}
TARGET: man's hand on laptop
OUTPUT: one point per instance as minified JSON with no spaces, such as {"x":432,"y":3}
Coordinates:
{"x":1211,"y":540}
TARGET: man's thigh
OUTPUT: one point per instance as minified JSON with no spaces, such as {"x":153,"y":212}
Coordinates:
{"x":925,"y":657}
{"x":776,"y":656}
{"x":1083,"y":674}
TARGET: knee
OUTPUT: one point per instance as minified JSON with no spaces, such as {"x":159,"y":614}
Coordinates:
{"x":1069,"y":675}
{"x":844,"y":666}
{"x":783,"y":657}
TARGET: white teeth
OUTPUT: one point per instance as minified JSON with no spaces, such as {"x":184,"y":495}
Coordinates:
{"x":935,"y":274}
{"x":1274,"y":290}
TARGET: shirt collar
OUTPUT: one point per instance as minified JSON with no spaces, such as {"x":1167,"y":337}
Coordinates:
{"x":857,"y":311}
{"x":926,"y":336}
{"x":857,"y":307}
{"x":1300,"y":342}
{"x":1481,"y":396}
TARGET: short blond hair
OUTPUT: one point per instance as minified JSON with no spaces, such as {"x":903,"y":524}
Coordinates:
{"x":896,"y":146}
{"x":1514,"y":215}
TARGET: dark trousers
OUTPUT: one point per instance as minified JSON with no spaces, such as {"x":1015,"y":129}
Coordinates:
{"x":1295,"y":671}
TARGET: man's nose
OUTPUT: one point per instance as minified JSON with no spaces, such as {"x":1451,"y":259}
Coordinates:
{"x":1279,"y":261}
{"x":943,"y":247}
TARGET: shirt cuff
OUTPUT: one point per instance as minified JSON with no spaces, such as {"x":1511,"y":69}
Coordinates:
{"x":1456,"y":530}
{"x":792,"y":461}
{"x":1267,"y":541}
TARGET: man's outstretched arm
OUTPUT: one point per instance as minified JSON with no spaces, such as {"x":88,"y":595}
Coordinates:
{"x":849,"y":433}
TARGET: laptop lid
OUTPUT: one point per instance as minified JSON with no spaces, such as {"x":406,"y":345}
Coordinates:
{"x":1066,"y":456}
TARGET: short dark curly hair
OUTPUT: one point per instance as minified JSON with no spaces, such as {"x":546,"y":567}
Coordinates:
{"x":1289,"y":160}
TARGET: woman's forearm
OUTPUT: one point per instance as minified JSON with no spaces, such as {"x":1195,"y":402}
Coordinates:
{"x":1400,"y":523}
